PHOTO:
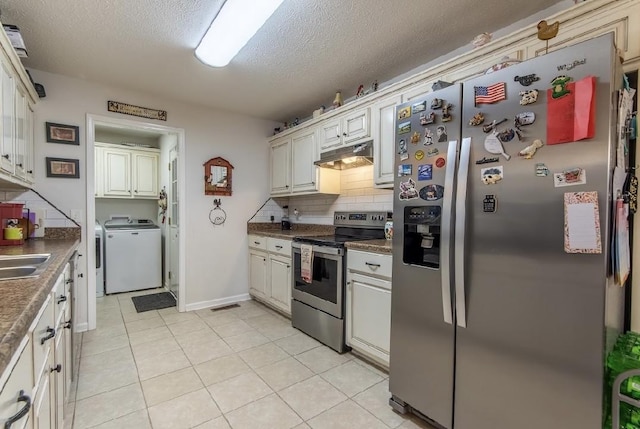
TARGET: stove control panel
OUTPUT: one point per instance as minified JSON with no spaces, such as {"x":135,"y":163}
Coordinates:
{"x":363,"y":219}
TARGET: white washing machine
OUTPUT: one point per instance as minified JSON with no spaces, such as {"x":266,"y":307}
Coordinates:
{"x":99,"y":260}
{"x":133,"y":255}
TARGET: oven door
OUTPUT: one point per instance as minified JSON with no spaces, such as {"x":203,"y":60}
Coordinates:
{"x":326,"y":290}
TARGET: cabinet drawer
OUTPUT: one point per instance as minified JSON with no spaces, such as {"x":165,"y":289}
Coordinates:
{"x":42,"y":337}
{"x":21,"y":378}
{"x":369,"y":263}
{"x":258,"y":242}
{"x":279,"y":246}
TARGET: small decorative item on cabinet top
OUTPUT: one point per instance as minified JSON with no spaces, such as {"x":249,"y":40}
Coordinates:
{"x":217,"y":177}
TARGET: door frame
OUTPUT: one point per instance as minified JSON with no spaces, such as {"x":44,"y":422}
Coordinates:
{"x":169,"y":256}
{"x":91,"y":121}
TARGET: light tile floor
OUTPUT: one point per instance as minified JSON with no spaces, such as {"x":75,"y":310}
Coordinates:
{"x":240,"y":368}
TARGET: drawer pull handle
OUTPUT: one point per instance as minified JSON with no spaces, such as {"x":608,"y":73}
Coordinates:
{"x":23,"y":411}
{"x":62,"y":299}
{"x":57,"y":368}
{"x":278,"y":247}
{"x":68,"y":281}
{"x":372,"y":265}
{"x":67,"y":325}
{"x":256,"y":242}
{"x":51,"y":334}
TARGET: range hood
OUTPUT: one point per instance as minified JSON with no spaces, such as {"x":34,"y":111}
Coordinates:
{"x":347,"y":157}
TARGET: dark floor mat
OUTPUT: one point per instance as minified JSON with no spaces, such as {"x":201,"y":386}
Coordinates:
{"x":155,"y":301}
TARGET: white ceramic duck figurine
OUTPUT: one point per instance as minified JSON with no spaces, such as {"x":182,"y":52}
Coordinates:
{"x":530,"y":150}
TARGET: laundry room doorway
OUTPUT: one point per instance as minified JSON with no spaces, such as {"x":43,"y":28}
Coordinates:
{"x":136,"y":172}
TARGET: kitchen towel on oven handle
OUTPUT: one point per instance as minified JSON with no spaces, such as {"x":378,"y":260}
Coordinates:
{"x":306,"y":262}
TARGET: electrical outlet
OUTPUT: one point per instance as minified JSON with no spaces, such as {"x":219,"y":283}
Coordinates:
{"x":273,"y":218}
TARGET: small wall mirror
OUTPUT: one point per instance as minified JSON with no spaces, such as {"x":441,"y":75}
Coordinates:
{"x":217,"y":177}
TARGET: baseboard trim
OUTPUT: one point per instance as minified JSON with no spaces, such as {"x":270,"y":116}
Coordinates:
{"x":220,"y":302}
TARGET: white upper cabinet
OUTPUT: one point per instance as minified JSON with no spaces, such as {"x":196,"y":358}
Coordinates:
{"x":8,"y":115}
{"x":383,"y":131}
{"x":346,"y":130}
{"x":281,"y":166}
{"x":303,"y":154}
{"x":126,"y":173}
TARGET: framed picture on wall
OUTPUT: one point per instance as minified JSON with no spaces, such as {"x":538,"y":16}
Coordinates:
{"x":60,"y":133}
{"x":65,"y":168}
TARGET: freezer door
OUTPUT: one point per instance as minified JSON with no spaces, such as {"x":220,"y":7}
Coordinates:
{"x":530,"y":355}
{"x":422,"y":327}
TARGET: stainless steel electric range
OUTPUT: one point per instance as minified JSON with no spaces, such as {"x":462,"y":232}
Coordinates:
{"x":317,"y":305}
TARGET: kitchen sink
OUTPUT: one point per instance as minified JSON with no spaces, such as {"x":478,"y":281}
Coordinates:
{"x":22,"y":266}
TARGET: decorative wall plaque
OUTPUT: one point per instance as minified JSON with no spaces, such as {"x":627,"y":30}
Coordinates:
{"x":143,"y":112}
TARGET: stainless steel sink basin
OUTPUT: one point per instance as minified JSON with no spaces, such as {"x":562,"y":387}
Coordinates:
{"x":7,"y":261}
{"x":23,"y":266}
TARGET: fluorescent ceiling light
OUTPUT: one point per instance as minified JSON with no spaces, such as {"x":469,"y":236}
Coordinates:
{"x":236,"y":23}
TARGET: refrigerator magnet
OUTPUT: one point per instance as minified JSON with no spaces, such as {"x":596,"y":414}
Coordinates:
{"x":486,"y":160}
{"x":446,"y":114}
{"x":492,"y":175}
{"x":432,"y":192}
{"x":530,"y":150}
{"x":571,"y":177}
{"x":541,"y":170}
{"x":405,"y":170}
{"x":493,"y":145}
{"x":436,"y":103}
{"x":419,"y":155}
{"x":526,"y":80}
{"x":415,"y":138}
{"x":425,"y":172}
{"x":426,"y":119}
{"x":408,"y":190}
{"x":492,"y":125}
{"x":477,"y":119}
{"x":441,"y":132}
{"x":559,"y":86}
{"x":404,"y":127}
{"x":529,"y":96}
{"x":432,"y":152}
{"x":428,"y":137}
{"x":440,"y":162}
{"x":419,"y":107}
{"x":489,"y":204}
{"x":404,"y":113}
{"x":506,"y":135}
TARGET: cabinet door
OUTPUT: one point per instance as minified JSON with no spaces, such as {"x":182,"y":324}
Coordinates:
{"x":98,"y":168}
{"x":281,"y":167}
{"x":145,"y":175}
{"x":355,"y":126}
{"x":21,"y":379}
{"x":8,"y":115}
{"x":383,"y":130}
{"x":258,"y":273}
{"x":20,"y":142}
{"x":29,"y":155}
{"x":59,"y":374}
{"x":280,"y":275}
{"x":369,"y":316}
{"x":303,"y":150}
{"x":330,"y":135}
{"x":117,"y":173}
{"x":44,"y":413}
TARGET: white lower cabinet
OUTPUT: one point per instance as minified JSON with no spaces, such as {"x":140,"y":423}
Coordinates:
{"x":368,"y":310}
{"x":270,"y":271}
{"x":38,"y":378}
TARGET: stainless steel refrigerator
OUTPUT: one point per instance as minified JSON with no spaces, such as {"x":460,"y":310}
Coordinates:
{"x":494,"y":324}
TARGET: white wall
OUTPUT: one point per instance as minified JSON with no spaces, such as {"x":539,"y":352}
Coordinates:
{"x":216,"y":256}
{"x":137,"y":209}
{"x":357,"y":193}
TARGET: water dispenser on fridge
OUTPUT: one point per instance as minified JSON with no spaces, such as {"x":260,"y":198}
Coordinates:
{"x":422,"y":236}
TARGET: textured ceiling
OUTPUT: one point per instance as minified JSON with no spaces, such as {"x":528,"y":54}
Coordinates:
{"x":296,"y":62}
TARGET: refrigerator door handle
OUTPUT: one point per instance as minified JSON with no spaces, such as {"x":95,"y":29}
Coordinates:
{"x":447,"y":210}
{"x":461,"y":217}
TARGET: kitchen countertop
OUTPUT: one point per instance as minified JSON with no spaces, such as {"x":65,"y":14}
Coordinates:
{"x":298,"y":230}
{"x":377,"y":246}
{"x":23,"y":298}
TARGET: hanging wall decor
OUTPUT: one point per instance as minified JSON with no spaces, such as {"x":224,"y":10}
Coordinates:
{"x":130,"y":109}
{"x":217,"y":177}
{"x":217,"y":216}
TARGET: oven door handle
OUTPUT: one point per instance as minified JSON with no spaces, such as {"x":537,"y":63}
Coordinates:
{"x":321,"y":250}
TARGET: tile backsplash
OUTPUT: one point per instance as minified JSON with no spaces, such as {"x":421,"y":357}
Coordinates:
{"x":52,"y":218}
{"x":357,"y":193}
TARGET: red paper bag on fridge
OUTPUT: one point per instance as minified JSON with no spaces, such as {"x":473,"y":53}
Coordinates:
{"x":571,"y":117}
{"x":584,"y":120}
